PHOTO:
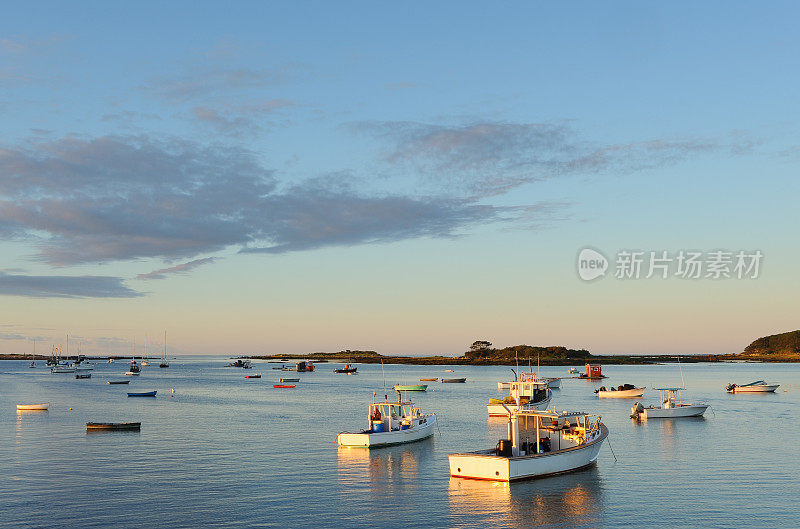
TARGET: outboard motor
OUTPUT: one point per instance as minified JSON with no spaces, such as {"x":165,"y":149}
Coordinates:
{"x":636,"y":410}
{"x":730,"y":387}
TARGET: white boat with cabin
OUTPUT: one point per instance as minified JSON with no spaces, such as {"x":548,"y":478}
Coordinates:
{"x":526,"y":391}
{"x":391,"y":423}
{"x":562,"y":442}
{"x":672,"y":406}
{"x":759,"y":386}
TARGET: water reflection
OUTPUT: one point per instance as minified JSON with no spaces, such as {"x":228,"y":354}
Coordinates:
{"x":571,"y":500}
{"x":384,"y":468}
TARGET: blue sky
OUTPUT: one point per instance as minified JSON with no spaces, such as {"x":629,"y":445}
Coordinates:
{"x":272,"y":177}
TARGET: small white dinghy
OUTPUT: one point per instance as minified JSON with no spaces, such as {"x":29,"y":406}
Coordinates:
{"x":39,"y":407}
{"x":671,"y":407}
{"x":759,"y":386}
{"x":625,"y":391}
{"x":561,"y":442}
{"x":391,"y":423}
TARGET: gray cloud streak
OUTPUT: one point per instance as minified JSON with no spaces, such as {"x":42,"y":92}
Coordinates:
{"x":65,"y":287}
{"x":177,"y":269}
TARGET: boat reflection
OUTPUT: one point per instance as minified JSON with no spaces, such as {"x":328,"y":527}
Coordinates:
{"x":571,"y":500}
{"x":386,"y":469}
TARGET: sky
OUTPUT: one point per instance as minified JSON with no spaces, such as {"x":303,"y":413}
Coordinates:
{"x":269,"y":177}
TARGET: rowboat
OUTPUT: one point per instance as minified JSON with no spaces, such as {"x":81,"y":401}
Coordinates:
{"x":113,"y":425}
{"x":132,"y":373}
{"x":671,"y":407}
{"x":40,"y":407}
{"x":391,"y":423}
{"x":563,"y":442}
{"x":454,"y":380}
{"x":624,"y":391}
{"x":283,"y":386}
{"x":411,"y":387}
{"x":429,"y":379}
{"x":83,"y":375}
{"x":759,"y":386}
{"x":289,"y":380}
{"x":252,"y":376}
{"x":143,"y":394}
{"x":118,"y":382}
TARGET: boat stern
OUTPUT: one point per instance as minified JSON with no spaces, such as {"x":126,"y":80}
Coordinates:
{"x":480,"y":465}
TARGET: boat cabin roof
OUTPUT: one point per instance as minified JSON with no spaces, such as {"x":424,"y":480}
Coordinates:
{"x":552,"y":414}
{"x":669,"y":389}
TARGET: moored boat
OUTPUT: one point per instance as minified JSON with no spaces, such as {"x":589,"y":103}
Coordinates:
{"x":348,"y":369}
{"x":561,"y":442}
{"x":391,"y":423}
{"x":118,"y":382}
{"x":624,"y":391}
{"x":283,"y":386}
{"x":524,"y":391}
{"x":37,"y":407}
{"x":83,"y":375}
{"x":429,"y":379}
{"x":253,"y":376}
{"x":143,"y":394}
{"x":410,"y":387}
{"x":593,"y":372}
{"x":283,"y":380}
{"x":113,"y":425}
{"x":759,"y":386}
{"x":671,"y":407}
{"x":454,"y":380}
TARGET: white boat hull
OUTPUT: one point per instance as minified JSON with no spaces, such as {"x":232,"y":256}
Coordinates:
{"x":377,"y":439}
{"x":623,"y":394}
{"x":484,"y":465}
{"x":131,"y":374}
{"x":688,"y":410}
{"x":497,"y":410}
{"x":33,"y":406}
{"x":756,"y":389}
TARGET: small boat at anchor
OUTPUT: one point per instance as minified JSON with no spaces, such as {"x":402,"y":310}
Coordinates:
{"x":83,"y":375}
{"x":143,"y":394}
{"x":118,"y":382}
{"x":759,"y":386}
{"x":253,"y":376}
{"x":454,"y":380}
{"x":391,"y":423}
{"x":283,"y":386}
{"x":524,"y":391}
{"x":113,"y":425}
{"x":624,"y":391}
{"x":410,"y":387}
{"x":283,"y":380}
{"x":671,"y":407}
{"x":429,"y":379}
{"x":37,"y":407}
{"x":559,"y":442}
{"x":348,"y":369}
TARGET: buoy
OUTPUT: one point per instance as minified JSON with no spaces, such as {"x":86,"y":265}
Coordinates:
{"x":70,"y":409}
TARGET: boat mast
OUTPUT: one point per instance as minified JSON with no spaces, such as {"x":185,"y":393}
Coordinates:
{"x":165,"y":346}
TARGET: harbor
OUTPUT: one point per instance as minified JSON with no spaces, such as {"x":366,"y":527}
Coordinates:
{"x":237,"y":449}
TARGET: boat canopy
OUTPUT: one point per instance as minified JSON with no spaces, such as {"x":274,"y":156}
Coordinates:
{"x":669,"y":389}
{"x":552,"y":414}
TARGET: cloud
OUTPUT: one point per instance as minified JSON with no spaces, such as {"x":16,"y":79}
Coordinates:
{"x":64,"y":287}
{"x":212,"y":81}
{"x":490,"y":158}
{"x":122,"y":198}
{"x":178,"y":269}
{"x":243,"y":119}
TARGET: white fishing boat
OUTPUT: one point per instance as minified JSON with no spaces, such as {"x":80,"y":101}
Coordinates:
{"x":63,"y":369}
{"x":39,"y":407}
{"x":391,"y":423}
{"x":524,"y":391}
{"x":556,"y":443}
{"x":759,"y":386}
{"x":573,"y":371}
{"x":672,"y":406}
{"x":625,"y":391}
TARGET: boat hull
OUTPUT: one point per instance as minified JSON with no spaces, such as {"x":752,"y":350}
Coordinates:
{"x":497,"y":410}
{"x":623,"y":394}
{"x":144,"y":394}
{"x":38,"y":407}
{"x":378,"y":439}
{"x":677,"y":411}
{"x":483,"y":465}
{"x":113,"y":425}
{"x":411,"y":387}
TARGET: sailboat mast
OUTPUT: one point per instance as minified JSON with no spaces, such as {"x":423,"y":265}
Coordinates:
{"x":165,"y":346}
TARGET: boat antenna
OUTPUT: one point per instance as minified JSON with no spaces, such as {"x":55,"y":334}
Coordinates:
{"x":683,"y":382}
{"x":385,"y":394}
{"x":516,"y":356}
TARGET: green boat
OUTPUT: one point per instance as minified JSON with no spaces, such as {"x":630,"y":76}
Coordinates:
{"x":411,"y":387}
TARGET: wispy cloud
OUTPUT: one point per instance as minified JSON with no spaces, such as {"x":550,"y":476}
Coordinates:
{"x":115,"y":198}
{"x":489,"y":158}
{"x":241,"y":119}
{"x":181,"y":88}
{"x":177,"y":269}
{"x":64,"y":287}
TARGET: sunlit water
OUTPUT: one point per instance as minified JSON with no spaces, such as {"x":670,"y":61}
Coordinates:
{"x":228,"y":451}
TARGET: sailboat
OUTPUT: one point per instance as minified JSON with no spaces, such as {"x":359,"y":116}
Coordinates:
{"x":164,"y":362}
{"x":134,"y":369}
{"x":33,"y":356}
{"x":144,"y":358}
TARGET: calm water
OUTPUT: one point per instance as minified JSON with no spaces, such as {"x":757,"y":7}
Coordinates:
{"x":233,"y":452}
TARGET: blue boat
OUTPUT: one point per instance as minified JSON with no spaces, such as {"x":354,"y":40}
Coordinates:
{"x":145,"y":394}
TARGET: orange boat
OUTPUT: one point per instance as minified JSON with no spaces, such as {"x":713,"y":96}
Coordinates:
{"x":286,"y":386}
